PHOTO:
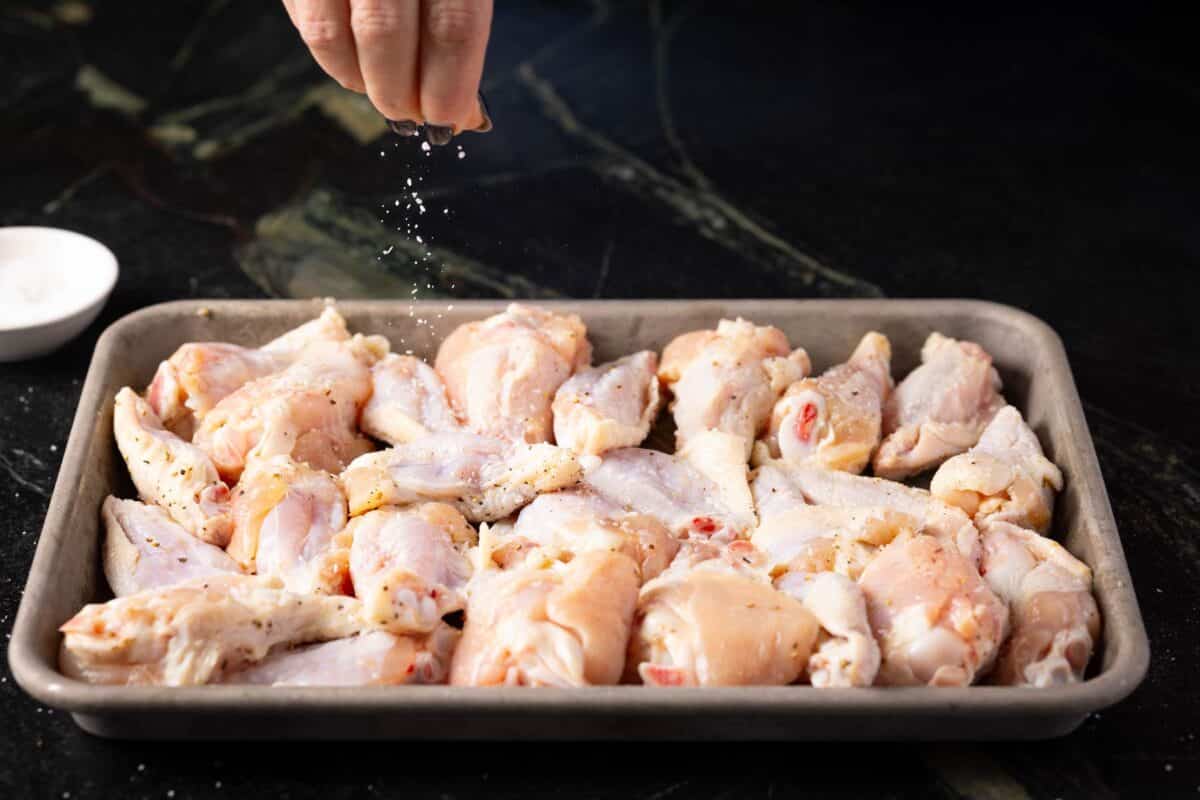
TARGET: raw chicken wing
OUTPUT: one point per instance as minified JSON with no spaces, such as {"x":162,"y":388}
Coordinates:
{"x":196,"y":632}
{"x":609,"y":406}
{"x":729,"y":379}
{"x":373,"y":658}
{"x":846,"y":653}
{"x":501,"y":373}
{"x":145,"y":549}
{"x":485,"y":478}
{"x":700,"y":491}
{"x":199,"y":374}
{"x":408,"y":401}
{"x":1055,"y":622}
{"x":713,"y":624}
{"x":309,"y":411}
{"x":408,"y":566}
{"x":1004,"y":477}
{"x":170,"y":472}
{"x":564,"y":626}
{"x":285,"y":518}
{"x":940,"y":409}
{"x":833,"y":421}
{"x":567,"y":523}
{"x":937,"y":621}
{"x":842,"y":490}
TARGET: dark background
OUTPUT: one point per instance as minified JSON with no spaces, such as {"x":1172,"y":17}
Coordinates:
{"x":1043,"y":159}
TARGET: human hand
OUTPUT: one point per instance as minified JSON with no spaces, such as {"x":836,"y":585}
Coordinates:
{"x":419,"y":61}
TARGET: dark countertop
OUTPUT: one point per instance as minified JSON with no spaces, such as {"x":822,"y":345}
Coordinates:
{"x":1042,"y":160}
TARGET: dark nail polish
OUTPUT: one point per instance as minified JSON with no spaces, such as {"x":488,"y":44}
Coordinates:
{"x":486,"y":125}
{"x":404,"y":127}
{"x":438,"y":134}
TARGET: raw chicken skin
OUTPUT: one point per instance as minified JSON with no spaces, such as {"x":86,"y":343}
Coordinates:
{"x":940,"y":409}
{"x":834,"y":421}
{"x":1005,"y":477}
{"x":701,"y":491}
{"x":408,"y":401}
{"x":374,"y":658}
{"x":408,"y":566}
{"x":814,"y":539}
{"x":145,"y":549}
{"x":1055,"y":621}
{"x":936,"y":620}
{"x":712,"y":624}
{"x":309,"y":411}
{"x":484,"y":478}
{"x":200,"y":374}
{"x":729,"y":379}
{"x":196,"y":632}
{"x":170,"y":472}
{"x":561,"y":525}
{"x":562,"y":626}
{"x":846,"y":653}
{"x":501,"y":373}
{"x":825,"y":487}
{"x":609,"y":406}
{"x":285,"y":518}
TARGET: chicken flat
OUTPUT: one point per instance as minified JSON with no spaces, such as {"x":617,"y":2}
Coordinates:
{"x":200,"y":374}
{"x":408,"y":401}
{"x":484,"y":478}
{"x":145,"y":549}
{"x":408,"y":565}
{"x":834,"y":420}
{"x":170,"y":472}
{"x":501,"y":373}
{"x":938,"y":410}
{"x":729,"y":378}
{"x":196,"y":632}
{"x":1005,"y":477}
{"x":610,"y":406}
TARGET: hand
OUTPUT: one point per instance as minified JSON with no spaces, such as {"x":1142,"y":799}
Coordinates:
{"x":418,"y":60}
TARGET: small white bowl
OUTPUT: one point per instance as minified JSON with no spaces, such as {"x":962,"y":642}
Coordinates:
{"x":53,"y":283}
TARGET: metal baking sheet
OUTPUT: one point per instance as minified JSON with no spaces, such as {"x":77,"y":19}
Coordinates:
{"x":66,"y":570}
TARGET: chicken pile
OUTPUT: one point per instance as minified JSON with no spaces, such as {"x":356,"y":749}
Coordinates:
{"x":514,"y":531}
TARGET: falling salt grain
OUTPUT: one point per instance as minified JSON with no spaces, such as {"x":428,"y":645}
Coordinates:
{"x":461,"y":154}
{"x":409,"y":181}
{"x":425,"y":146}
{"x":420,"y":240}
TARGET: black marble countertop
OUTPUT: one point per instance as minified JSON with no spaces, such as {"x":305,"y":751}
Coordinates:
{"x":662,"y":150}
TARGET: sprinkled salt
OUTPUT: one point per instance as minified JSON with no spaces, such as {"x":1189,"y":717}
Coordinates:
{"x":425,"y":146}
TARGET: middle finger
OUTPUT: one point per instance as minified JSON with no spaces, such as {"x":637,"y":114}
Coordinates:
{"x":386,"y":35}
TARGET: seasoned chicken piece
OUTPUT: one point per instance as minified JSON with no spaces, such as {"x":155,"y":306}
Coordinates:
{"x":567,"y":523}
{"x":833,"y":421}
{"x":196,"y":632}
{"x":501,"y":373}
{"x":1055,"y":621}
{"x":701,"y":491}
{"x":712,"y":624}
{"x":408,"y":401}
{"x":563,"y":626}
{"x":145,"y":549}
{"x":170,"y":472}
{"x":940,"y":409}
{"x":483,"y":477}
{"x":729,"y":379}
{"x":285,"y":518}
{"x":609,"y":406}
{"x":937,"y":622}
{"x":846,"y":653}
{"x":200,"y":374}
{"x":825,"y":487}
{"x":374,"y":658}
{"x":408,"y":565}
{"x":1003,"y":477}
{"x":812,"y":539}
{"x":309,"y":411}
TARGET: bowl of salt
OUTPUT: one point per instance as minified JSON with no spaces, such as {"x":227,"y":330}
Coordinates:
{"x":53,"y":284}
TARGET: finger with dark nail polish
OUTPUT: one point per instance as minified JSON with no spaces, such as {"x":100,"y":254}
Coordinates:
{"x":438,"y":134}
{"x":404,"y":127}
{"x":486,"y":125}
